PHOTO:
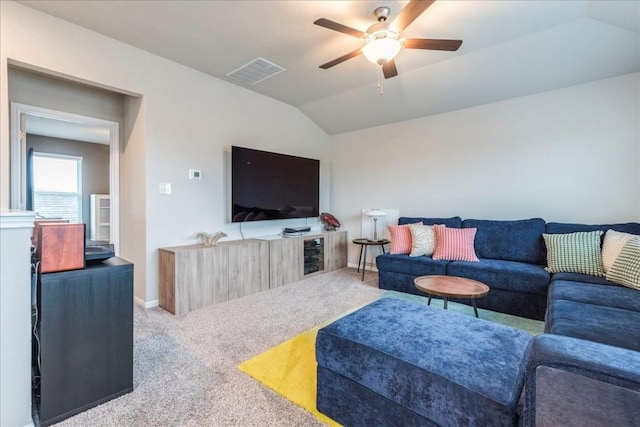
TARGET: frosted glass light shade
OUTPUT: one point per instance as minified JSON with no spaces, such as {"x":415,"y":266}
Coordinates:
{"x":381,"y":50}
{"x":375,"y":213}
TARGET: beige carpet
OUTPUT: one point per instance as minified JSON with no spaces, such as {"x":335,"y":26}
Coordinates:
{"x":290,"y":367}
{"x":185,"y":367}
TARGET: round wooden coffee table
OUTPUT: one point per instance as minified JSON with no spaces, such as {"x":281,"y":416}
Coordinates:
{"x":451,"y":287}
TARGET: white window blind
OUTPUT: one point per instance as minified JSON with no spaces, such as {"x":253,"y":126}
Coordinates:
{"x":57,"y":184}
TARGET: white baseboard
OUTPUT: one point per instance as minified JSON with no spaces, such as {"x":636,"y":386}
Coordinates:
{"x":146,"y":304}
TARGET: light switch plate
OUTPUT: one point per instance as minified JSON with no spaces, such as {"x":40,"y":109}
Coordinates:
{"x":165,"y":188}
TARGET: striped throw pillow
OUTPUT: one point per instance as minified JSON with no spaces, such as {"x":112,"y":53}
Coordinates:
{"x":613,"y":243}
{"x":626,"y":268}
{"x":400,"y":239}
{"x":423,"y":239}
{"x":455,"y":244}
{"x":574,"y":253}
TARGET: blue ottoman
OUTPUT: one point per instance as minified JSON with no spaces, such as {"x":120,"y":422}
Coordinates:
{"x":395,"y":362}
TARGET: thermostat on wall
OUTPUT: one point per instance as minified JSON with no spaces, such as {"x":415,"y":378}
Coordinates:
{"x":195,"y":174}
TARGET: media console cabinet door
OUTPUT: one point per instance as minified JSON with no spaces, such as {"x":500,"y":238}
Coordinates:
{"x":248,"y":268}
{"x":193,"y":277}
{"x":336,"y":250}
{"x":205,"y":272}
{"x":286,"y":261}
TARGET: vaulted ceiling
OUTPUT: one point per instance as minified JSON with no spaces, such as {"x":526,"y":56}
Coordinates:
{"x":510,"y":49}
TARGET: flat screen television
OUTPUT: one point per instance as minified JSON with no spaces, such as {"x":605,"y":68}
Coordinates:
{"x":267,"y":186}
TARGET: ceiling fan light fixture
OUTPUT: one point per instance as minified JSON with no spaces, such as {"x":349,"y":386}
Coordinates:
{"x":382,"y":46}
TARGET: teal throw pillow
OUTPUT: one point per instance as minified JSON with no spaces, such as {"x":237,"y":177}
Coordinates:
{"x":625,"y":270}
{"x":574,"y":253}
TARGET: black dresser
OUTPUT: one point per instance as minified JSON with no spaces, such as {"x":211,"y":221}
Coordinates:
{"x":85,"y":330}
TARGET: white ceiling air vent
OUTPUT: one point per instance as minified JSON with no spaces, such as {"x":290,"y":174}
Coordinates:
{"x":255,"y":71}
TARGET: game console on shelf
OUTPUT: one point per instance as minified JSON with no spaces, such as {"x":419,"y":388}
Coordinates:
{"x":295,"y":231}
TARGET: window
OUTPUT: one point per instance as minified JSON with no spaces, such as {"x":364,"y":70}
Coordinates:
{"x":57,"y":186}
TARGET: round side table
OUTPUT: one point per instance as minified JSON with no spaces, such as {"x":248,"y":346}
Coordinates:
{"x":364,"y":243}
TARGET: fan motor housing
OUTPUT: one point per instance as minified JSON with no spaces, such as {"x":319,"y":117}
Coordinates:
{"x":382,"y":13}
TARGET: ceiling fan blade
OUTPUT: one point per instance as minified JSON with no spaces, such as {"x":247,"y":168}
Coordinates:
{"x":432,"y":44}
{"x":410,"y":13}
{"x":341,"y":59}
{"x":389,"y":69}
{"x":339,"y":27}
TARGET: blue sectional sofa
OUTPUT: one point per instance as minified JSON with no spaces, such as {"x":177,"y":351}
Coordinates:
{"x":585,"y":369}
{"x":512,"y":262}
{"x":397,"y":362}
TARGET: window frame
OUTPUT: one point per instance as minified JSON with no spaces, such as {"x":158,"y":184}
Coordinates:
{"x":78,"y":160}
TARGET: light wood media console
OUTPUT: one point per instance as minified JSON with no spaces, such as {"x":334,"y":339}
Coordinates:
{"x":196,"y":276}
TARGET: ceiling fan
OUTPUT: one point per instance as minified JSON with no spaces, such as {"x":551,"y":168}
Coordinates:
{"x":382,"y":40}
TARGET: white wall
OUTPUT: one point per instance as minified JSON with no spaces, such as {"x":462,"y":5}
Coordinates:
{"x":566,"y":155}
{"x":185,"y":119}
{"x":570,"y":155}
{"x":15,"y":310}
{"x":133,"y":204}
{"x":39,"y":90}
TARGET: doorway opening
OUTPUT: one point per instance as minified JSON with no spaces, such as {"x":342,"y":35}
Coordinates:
{"x":27,"y":119}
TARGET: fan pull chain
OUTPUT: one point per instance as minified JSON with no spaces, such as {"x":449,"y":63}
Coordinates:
{"x":380,"y":91}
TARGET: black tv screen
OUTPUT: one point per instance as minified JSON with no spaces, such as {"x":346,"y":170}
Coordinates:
{"x":266,"y":186}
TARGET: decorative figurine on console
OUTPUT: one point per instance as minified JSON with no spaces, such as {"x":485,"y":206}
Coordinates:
{"x":210,"y":239}
{"x":330,"y":222}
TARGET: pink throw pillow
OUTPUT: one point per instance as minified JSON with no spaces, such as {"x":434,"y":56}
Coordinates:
{"x":400,"y":239}
{"x":455,"y":244}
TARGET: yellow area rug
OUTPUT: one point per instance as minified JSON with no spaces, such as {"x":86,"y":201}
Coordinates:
{"x":290,"y":370}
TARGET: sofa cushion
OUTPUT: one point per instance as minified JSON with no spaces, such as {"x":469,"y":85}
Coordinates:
{"x":574,"y":252}
{"x":594,"y":322}
{"x":416,"y":266}
{"x":507,"y":275}
{"x":450,"y":368}
{"x":580,"y":277}
{"x":519,"y":240}
{"x":589,"y":293}
{"x":453,"y":222}
{"x":454,"y":244}
{"x":563,"y":228}
{"x":626,"y":268}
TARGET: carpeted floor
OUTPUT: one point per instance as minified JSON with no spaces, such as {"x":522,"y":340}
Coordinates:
{"x":290,"y":367}
{"x":185,"y":367}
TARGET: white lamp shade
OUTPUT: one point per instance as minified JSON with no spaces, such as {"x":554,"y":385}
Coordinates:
{"x":375,"y":213}
{"x":381,"y":50}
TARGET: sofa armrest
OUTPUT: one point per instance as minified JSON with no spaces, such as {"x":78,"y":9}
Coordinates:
{"x":570,"y":381}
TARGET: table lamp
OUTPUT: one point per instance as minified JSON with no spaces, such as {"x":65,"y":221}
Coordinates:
{"x":375,"y":214}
